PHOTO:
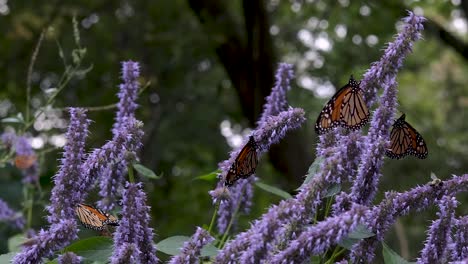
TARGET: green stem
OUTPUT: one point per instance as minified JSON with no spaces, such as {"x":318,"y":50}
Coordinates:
{"x":214,"y":216}
{"x":327,"y":208}
{"x":335,"y":254}
{"x":234,"y":215}
{"x":30,"y":206}
{"x":131,"y":177}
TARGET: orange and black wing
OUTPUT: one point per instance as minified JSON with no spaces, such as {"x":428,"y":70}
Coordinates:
{"x":405,"y":140}
{"x":245,"y":163}
{"x":90,"y":217}
{"x":346,"y":108}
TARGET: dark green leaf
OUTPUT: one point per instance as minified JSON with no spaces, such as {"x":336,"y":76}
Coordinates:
{"x":145,"y":172}
{"x":92,"y":249}
{"x":333,"y":190}
{"x":391,"y":257}
{"x":359,"y":233}
{"x":172,"y":245}
{"x":12,"y":120}
{"x":273,"y":190}
{"x":209,"y":251}
{"x":313,"y":169}
{"x":212,"y":176}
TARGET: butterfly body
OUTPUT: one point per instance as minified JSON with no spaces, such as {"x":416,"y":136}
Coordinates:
{"x":245,"y":163}
{"x":405,"y":140}
{"x":94,"y":218}
{"x":346,"y":108}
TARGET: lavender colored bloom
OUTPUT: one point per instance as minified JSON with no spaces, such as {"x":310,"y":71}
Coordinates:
{"x":133,"y":238}
{"x":10,"y":216}
{"x":365,"y":185}
{"x":399,"y":204}
{"x":69,"y":179}
{"x":276,"y":102}
{"x":122,"y":146}
{"x":23,"y":147}
{"x":8,"y":139}
{"x":240,"y":198}
{"x":112,"y":178}
{"x":69,"y":258}
{"x":460,"y":241}
{"x":392,"y":60}
{"x":435,"y":248}
{"x":191,"y":251}
{"x":318,"y":238}
{"x":128,"y":94}
{"x":59,"y":235}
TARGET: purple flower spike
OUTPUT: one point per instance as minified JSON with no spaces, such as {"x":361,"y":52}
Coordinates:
{"x":392,"y":60}
{"x":274,"y":128}
{"x":112,"y":178}
{"x":318,"y":238}
{"x":8,"y":139}
{"x":47,"y":242}
{"x":365,"y":185}
{"x":128,"y":94}
{"x":10,"y":216}
{"x":192,"y":248}
{"x":460,"y":241}
{"x":127,"y":142}
{"x":69,"y":258}
{"x":435,"y":248}
{"x":69,"y":179}
{"x":133,"y":238}
{"x":276,"y":102}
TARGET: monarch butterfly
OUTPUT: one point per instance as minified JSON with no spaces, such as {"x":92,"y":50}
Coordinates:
{"x":346,"y":108}
{"x":24,"y":162}
{"x":404,"y":140}
{"x":245,"y":163}
{"x":94,"y":218}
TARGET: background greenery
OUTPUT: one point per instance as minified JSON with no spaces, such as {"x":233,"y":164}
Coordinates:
{"x":208,"y":61}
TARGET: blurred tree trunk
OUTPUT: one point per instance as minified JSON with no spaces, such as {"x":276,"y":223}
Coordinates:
{"x":246,"y":53}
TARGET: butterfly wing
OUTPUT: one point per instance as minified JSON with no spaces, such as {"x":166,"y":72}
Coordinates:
{"x":354,"y":113}
{"x":404,"y":140}
{"x":90,"y":217}
{"x":418,"y":145}
{"x":330,"y":116}
{"x":245,"y":163}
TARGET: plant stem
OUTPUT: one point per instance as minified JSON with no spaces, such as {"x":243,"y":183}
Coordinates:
{"x":214,"y":216}
{"x":131,"y":177}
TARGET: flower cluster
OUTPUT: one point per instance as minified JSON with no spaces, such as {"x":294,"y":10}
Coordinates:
{"x":25,"y":159}
{"x":191,"y":251}
{"x":10,"y":216}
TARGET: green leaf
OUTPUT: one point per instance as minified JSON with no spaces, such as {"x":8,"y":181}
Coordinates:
{"x":313,"y":169}
{"x":274,"y":190}
{"x":14,"y":243}
{"x":145,"y":172}
{"x":172,"y":245}
{"x":212,"y":176}
{"x":93,"y":249}
{"x":359,"y":233}
{"x":13,"y":120}
{"x":391,"y":257}
{"x":333,"y":190}
{"x":5,"y":258}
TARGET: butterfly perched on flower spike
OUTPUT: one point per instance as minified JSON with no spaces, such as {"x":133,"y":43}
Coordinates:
{"x":94,"y":218}
{"x":245,"y":163}
{"x":346,"y":108}
{"x":405,"y":140}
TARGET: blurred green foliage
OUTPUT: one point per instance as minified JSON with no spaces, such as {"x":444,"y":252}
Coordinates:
{"x":190,"y":94}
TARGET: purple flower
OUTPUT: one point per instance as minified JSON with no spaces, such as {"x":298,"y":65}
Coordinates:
{"x":133,"y":239}
{"x":10,"y":216}
{"x":460,"y":241}
{"x":392,"y":60}
{"x":318,"y":238}
{"x":122,"y":146}
{"x":435,"y":248}
{"x":276,"y":102}
{"x":240,"y":198}
{"x":8,"y":139}
{"x":69,"y":179}
{"x":398,"y":204}
{"x":112,"y":178}
{"x":69,"y":258}
{"x":59,"y":235}
{"x":128,"y":94}
{"x":191,"y":251}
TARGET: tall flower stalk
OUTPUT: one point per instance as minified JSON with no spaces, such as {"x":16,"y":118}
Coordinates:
{"x":191,"y":252}
{"x":459,"y":246}
{"x":65,"y":195}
